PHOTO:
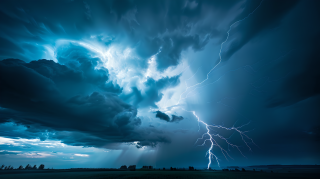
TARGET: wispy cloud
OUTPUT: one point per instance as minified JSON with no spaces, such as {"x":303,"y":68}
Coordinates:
{"x":81,"y":155}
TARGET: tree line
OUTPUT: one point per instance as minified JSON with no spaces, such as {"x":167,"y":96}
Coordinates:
{"x":28,"y":167}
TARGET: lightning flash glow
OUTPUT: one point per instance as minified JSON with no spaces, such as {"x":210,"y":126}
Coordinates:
{"x":211,"y":137}
{"x":213,"y":141}
{"x":220,"y":58}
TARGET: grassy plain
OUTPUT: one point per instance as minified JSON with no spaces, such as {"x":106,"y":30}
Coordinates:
{"x":156,"y":175}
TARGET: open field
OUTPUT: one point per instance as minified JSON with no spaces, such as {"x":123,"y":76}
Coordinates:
{"x":154,"y":175}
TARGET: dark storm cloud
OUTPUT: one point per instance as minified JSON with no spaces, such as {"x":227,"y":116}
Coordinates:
{"x":162,"y":116}
{"x":37,"y":93}
{"x":147,"y":26}
{"x":304,"y":81}
{"x":79,"y":59}
{"x":135,"y":97}
{"x":176,"y":118}
{"x":165,"y":117}
{"x":154,"y":87}
{"x":260,"y":22}
{"x":141,"y":144}
{"x":171,"y":48}
{"x":153,"y":91}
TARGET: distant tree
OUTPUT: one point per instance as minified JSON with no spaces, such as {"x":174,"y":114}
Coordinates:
{"x":35,"y":167}
{"x":124,"y":167}
{"x":2,"y":166}
{"x":28,"y":167}
{"x":21,"y":167}
{"x":164,"y":168}
{"x":131,"y":168}
{"x":243,"y":169}
{"x":41,"y":167}
{"x":6,"y":168}
{"x":254,"y":170}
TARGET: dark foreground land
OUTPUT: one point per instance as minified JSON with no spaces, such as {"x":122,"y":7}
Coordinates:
{"x":156,"y":174}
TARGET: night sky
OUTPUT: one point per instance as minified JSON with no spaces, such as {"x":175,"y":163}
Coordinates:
{"x":149,"y":82}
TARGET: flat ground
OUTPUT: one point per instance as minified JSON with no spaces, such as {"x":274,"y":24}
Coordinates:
{"x":156,"y":175}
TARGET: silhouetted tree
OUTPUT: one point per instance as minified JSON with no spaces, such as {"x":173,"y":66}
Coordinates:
{"x":131,"y":168}
{"x":6,"y":168}
{"x":124,"y":167}
{"x":2,"y":166}
{"x":164,"y":168}
{"x":35,"y":167}
{"x":21,"y":167}
{"x":41,"y":167}
{"x":28,"y":167}
{"x":243,"y":169}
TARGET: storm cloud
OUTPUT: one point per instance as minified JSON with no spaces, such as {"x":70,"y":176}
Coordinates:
{"x":44,"y":92}
{"x":138,"y":74}
{"x":165,"y":117}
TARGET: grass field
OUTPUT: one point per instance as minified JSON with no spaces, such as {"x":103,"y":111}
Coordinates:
{"x":156,"y":175}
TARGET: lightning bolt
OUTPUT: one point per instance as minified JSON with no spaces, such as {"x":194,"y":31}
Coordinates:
{"x":198,"y":87}
{"x":220,"y":58}
{"x":213,"y":141}
{"x":209,"y":134}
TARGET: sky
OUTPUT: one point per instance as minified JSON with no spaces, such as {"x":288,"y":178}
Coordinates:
{"x":164,"y":83}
